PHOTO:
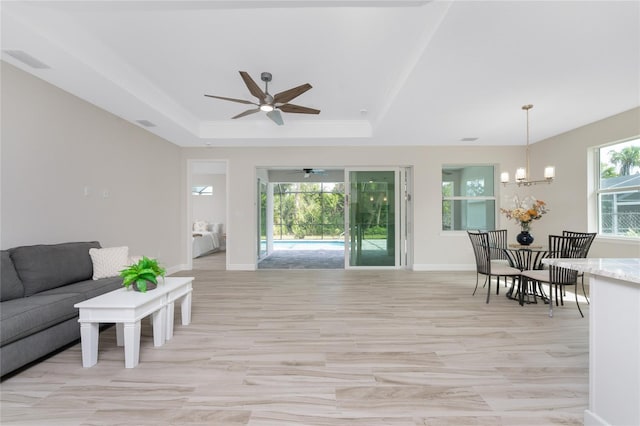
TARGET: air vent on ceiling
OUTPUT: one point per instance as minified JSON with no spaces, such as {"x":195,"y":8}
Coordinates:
{"x":26,"y":59}
{"x":468,"y":139}
{"x":145,"y":123}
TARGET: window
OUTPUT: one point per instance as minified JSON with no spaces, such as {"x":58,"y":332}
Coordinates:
{"x":202,"y":190}
{"x":308,"y":210}
{"x":468,"y":200}
{"x":618,"y":189}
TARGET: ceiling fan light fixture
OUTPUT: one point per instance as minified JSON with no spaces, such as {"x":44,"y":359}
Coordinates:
{"x":272,"y":105}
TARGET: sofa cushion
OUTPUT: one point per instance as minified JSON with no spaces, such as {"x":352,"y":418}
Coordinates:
{"x":43,"y":267}
{"x":89,"y":288}
{"x":10,"y":285}
{"x":28,"y":315}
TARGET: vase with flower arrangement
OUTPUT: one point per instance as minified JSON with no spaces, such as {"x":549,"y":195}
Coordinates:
{"x":525,"y":212}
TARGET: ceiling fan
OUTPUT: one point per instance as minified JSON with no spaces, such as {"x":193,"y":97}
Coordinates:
{"x":308,"y":172}
{"x":270,"y":104}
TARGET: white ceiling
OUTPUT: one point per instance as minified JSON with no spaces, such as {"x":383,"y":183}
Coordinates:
{"x":383,"y":72}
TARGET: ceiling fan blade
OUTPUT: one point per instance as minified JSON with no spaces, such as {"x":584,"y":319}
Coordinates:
{"x":242,"y":101}
{"x":298,"y":109}
{"x":247,"y":112}
{"x":276,"y":117}
{"x":252,"y":86}
{"x":287,"y":95}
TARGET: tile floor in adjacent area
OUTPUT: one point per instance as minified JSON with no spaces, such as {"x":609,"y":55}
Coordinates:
{"x":325,"y":347}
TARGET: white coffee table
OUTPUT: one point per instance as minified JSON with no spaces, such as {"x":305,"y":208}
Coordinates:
{"x":126,"y":308}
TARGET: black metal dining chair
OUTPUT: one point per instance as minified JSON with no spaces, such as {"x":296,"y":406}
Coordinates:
{"x":560,"y":246}
{"x":592,"y":236}
{"x":482,"y":252}
{"x":497,"y":249}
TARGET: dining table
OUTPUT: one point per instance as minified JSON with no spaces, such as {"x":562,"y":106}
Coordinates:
{"x":524,"y":258}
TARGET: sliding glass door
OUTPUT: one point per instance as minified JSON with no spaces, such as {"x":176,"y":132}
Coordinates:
{"x":373,"y":230}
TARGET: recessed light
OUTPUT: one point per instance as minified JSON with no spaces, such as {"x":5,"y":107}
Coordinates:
{"x":26,"y":59}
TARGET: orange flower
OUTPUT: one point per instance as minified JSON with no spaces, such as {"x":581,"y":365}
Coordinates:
{"x":523,"y":215}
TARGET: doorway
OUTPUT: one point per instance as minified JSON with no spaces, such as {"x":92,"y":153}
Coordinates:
{"x":207,"y":201}
{"x":373,"y":226}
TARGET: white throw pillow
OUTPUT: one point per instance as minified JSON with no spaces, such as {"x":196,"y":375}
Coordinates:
{"x":216,"y":228}
{"x":200,"y":226}
{"x":108,"y":262}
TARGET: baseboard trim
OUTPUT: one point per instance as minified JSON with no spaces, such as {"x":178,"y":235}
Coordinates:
{"x":241,"y":267}
{"x":592,"y":419}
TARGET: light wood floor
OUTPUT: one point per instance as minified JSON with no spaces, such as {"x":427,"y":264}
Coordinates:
{"x":326,"y":347}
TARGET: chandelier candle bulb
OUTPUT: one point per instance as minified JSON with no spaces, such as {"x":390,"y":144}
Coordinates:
{"x":521,"y":173}
{"x":504,"y":177}
{"x":549,"y":172}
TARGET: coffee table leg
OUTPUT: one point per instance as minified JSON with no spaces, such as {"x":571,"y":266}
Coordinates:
{"x":170,"y":314}
{"x":185,"y":308}
{"x":119,"y":334}
{"x":131,"y":344}
{"x":89,"y":342}
{"x":159,"y":321}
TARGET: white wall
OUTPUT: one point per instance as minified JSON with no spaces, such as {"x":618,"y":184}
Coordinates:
{"x":212,"y":209}
{"x":55,"y":145}
{"x":433,"y":248}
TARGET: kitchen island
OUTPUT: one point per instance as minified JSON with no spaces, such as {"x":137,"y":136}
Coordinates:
{"x":614,"y":338}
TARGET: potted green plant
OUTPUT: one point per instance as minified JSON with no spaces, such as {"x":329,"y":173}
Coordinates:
{"x":142,"y":275}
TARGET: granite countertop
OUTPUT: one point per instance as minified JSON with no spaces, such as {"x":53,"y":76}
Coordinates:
{"x":626,"y":269}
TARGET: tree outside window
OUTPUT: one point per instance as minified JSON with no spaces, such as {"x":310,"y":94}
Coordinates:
{"x":308,"y":210}
{"x":619,"y":189}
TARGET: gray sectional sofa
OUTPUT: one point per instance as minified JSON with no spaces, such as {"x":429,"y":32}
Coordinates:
{"x":38,"y":288}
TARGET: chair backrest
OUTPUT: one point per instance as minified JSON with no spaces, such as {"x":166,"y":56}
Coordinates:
{"x":480,"y":244}
{"x":566,"y":246}
{"x":498,"y":242}
{"x":591,"y":235}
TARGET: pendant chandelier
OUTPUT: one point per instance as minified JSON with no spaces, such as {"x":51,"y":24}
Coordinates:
{"x":522,"y":173}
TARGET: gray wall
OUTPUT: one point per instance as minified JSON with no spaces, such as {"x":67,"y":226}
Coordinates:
{"x":72,"y":172}
{"x":571,"y":197}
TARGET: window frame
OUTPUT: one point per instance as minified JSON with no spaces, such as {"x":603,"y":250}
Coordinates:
{"x":599,"y":192}
{"x":469,"y":198}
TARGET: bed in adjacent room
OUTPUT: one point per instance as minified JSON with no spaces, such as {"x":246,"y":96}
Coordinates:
{"x":207,"y":238}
